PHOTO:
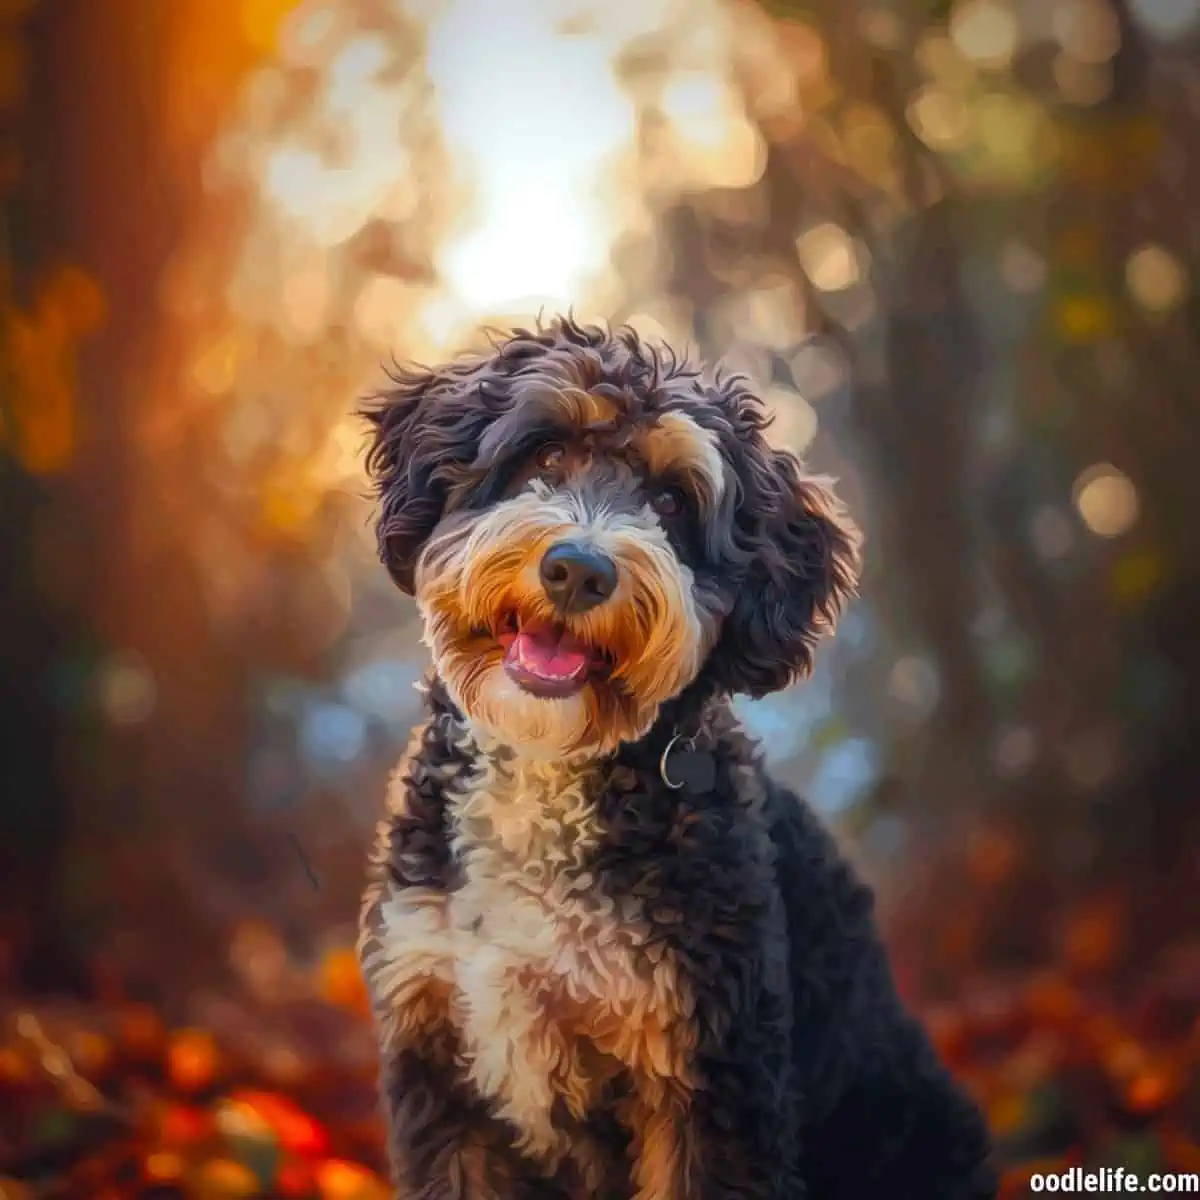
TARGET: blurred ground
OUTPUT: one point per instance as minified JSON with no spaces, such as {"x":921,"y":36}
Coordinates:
{"x":956,"y":245}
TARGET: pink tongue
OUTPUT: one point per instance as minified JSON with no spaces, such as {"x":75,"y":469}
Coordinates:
{"x":546,"y":654}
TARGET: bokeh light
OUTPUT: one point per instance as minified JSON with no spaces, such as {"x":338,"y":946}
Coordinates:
{"x":1107,"y":500}
{"x":1156,"y":280}
{"x":985,"y":31}
{"x":830,"y":258}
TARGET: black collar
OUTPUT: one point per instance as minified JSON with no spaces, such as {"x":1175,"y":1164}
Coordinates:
{"x":680,"y":742}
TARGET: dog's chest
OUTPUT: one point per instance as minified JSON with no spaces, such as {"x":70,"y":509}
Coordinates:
{"x":553,"y":985}
{"x":547,"y":967}
{"x":528,"y":909}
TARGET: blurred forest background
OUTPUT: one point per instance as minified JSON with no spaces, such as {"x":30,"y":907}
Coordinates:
{"x":956,"y":243}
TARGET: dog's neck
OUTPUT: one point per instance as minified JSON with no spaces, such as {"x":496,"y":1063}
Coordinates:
{"x":690,"y":716}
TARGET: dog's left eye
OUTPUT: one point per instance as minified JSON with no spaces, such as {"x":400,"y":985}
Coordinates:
{"x":551,"y":456}
{"x":669,"y":502}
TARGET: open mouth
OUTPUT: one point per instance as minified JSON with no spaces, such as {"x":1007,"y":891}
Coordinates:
{"x":547,"y":660}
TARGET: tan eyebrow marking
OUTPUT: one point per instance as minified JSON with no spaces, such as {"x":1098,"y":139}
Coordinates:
{"x":675,"y":442}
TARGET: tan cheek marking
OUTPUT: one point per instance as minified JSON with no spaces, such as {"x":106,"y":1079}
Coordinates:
{"x":659,"y":639}
{"x":463,"y":574}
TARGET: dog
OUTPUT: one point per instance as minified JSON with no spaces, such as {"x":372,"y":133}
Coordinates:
{"x":608,"y":956}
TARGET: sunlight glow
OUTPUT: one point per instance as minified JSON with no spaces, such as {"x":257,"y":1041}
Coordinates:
{"x":407,"y":171}
{"x":542,"y":165}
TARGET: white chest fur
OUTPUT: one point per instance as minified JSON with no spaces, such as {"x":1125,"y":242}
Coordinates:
{"x":532,"y":931}
{"x":551,"y":983}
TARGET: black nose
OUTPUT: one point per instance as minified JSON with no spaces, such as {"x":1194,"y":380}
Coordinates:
{"x":576,"y":578}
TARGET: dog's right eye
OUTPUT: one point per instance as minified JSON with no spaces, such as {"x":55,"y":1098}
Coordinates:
{"x":551,"y":456}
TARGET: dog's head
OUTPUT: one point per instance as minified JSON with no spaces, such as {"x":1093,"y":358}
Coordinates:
{"x":589,"y":527}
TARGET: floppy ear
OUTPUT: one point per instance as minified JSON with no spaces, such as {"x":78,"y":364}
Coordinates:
{"x":804,"y":563}
{"x":425,"y":433}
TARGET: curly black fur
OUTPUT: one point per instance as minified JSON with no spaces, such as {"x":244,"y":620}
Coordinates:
{"x":811,"y":1079}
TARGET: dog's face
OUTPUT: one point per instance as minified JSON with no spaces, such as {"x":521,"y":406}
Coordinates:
{"x":588,"y":527}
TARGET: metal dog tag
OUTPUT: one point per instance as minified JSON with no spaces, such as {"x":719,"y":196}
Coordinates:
{"x":696,"y":770}
{"x":683,"y":766}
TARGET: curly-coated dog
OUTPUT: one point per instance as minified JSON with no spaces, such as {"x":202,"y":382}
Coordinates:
{"x":609,"y":957}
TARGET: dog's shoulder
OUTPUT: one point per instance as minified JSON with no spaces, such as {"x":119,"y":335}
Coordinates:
{"x":811,"y":864}
{"x":828,"y":907}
